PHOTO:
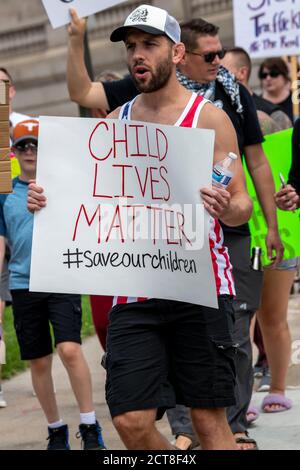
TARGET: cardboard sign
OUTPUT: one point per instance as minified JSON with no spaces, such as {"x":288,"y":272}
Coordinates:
{"x":5,"y":172}
{"x":267,"y":28}
{"x":124,"y":215}
{"x":58,"y":10}
{"x":278,"y":149}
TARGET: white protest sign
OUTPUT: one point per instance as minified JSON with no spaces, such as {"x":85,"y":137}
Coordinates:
{"x":58,"y":10}
{"x":267,"y":28}
{"x":123,"y":214}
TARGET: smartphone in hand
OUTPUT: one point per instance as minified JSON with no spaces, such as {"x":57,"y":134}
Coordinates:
{"x":283,"y":184}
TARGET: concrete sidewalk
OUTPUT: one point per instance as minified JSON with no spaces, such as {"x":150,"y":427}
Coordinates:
{"x":23,"y":426}
{"x":22,"y":423}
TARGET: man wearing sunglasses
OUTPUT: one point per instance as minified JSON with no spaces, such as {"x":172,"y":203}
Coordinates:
{"x":34,"y":311}
{"x":201,"y":71}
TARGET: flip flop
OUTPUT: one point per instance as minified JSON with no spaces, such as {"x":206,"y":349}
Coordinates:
{"x":276,"y":399}
{"x":252,"y":410}
{"x":247,"y":440}
{"x":194,"y":441}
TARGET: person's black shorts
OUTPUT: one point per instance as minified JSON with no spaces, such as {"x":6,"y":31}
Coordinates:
{"x":34,"y":311}
{"x":162,"y":352}
{"x":248,"y":282}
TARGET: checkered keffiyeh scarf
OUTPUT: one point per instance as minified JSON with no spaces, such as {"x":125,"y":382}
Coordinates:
{"x":208,"y":90}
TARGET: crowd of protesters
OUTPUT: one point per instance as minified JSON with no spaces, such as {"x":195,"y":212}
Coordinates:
{"x":192,"y":361}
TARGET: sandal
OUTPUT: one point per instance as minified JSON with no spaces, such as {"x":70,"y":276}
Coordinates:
{"x":247,"y":440}
{"x":276,"y":399}
{"x":252,"y":410}
{"x":194,"y":440}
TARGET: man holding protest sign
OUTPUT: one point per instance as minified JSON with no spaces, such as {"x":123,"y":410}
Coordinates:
{"x":160,"y":352}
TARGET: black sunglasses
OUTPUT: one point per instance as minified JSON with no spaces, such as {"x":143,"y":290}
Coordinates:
{"x":29,"y":145}
{"x":209,"y":57}
{"x":272,"y":73}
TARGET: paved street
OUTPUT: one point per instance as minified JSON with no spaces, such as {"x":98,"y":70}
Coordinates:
{"x":23,"y":425}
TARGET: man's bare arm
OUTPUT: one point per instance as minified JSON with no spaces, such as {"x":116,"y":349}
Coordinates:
{"x":262,"y":177}
{"x":81,"y":89}
{"x":233,"y":206}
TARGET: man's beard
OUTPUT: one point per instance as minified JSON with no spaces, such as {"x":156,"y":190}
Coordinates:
{"x":158,"y":80}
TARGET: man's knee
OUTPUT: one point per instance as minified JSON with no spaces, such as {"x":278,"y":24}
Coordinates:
{"x":207,"y":421}
{"x":134,"y":423}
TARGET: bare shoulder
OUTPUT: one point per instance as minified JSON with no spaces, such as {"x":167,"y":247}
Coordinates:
{"x":212,"y":117}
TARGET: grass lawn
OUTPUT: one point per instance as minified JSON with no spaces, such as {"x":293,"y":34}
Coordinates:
{"x":13,"y":362}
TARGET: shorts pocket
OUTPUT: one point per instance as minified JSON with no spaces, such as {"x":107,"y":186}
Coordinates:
{"x":77,"y":314}
{"x":18,"y":329}
{"x":225,"y":356}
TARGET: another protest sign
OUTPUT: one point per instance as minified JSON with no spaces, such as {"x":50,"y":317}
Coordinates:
{"x":58,"y":10}
{"x":278,"y":149}
{"x":5,"y":173}
{"x":124,"y":215}
{"x":267,"y":28}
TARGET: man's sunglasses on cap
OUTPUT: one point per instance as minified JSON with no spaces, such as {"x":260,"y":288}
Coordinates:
{"x":272,"y":74}
{"x":209,"y":57}
{"x":28,"y":146}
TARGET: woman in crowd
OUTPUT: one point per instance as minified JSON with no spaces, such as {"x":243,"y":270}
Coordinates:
{"x":275,"y":328}
{"x":276,"y":84}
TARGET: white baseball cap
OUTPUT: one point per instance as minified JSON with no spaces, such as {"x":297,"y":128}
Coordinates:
{"x":150,"y":19}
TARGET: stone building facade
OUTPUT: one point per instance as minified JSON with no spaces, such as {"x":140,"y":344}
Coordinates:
{"x":35,"y":54}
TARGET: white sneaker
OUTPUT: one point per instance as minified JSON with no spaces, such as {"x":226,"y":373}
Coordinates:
{"x":3,"y":403}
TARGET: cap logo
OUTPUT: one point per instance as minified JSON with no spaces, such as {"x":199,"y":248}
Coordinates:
{"x":30,"y":125}
{"x":139,"y":15}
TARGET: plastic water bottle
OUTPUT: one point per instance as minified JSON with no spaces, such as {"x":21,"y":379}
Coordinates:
{"x":256,"y":259}
{"x":223,"y":171}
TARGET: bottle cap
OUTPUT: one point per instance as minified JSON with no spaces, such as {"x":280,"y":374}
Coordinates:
{"x":232,"y":155}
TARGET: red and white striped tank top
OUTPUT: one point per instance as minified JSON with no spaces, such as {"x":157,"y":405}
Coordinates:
{"x":219,"y":253}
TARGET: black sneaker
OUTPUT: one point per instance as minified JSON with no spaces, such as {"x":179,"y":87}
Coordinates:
{"x":58,"y":438}
{"x":91,"y":437}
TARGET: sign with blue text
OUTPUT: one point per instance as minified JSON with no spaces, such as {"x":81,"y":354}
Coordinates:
{"x":58,"y":10}
{"x":267,"y":28}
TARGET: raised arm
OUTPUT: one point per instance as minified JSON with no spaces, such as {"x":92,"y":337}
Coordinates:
{"x":233,"y":205}
{"x":81,"y":89}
